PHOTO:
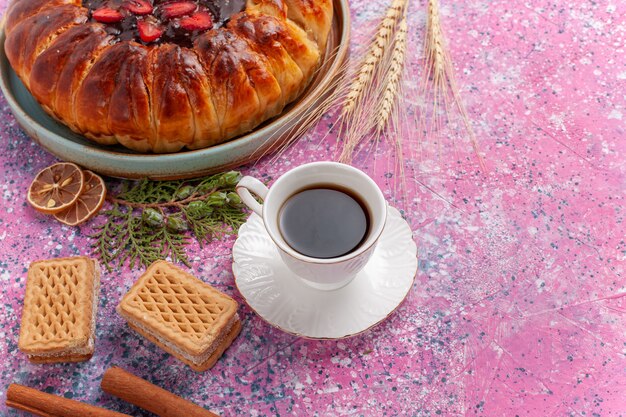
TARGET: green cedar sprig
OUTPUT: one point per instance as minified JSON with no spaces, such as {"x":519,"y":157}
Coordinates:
{"x":152,"y":220}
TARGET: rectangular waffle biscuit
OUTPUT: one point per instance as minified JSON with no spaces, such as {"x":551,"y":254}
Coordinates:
{"x":181,"y":314}
{"x":60,"y":307}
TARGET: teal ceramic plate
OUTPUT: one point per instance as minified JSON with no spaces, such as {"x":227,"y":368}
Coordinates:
{"x":121,"y":162}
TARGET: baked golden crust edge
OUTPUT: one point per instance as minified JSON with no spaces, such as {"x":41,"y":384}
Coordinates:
{"x":166,"y":97}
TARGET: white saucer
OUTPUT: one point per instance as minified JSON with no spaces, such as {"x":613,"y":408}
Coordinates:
{"x":285,"y":302}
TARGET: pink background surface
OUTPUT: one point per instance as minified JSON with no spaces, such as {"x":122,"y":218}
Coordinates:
{"x":518,"y":306}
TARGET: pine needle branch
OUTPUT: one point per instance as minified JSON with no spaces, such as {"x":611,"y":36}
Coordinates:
{"x":151,"y":220}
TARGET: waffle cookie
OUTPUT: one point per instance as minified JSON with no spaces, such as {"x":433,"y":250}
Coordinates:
{"x":182,"y":315}
{"x":60,"y":306}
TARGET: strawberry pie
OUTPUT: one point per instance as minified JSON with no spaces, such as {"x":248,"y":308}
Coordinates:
{"x":161,"y":76}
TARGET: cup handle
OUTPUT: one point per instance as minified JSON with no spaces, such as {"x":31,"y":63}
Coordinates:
{"x":248,"y":185}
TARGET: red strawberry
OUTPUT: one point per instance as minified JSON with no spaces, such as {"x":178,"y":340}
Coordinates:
{"x":197,"y":21}
{"x":107,"y":15}
{"x":140,"y":7}
{"x":178,"y":9}
{"x":148,"y":31}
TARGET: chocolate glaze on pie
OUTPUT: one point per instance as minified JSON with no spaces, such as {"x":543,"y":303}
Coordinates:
{"x":160,"y":77}
{"x":126,"y":29}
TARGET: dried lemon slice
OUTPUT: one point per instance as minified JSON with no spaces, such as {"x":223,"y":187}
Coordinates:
{"x":88,"y":203}
{"x":56,"y":188}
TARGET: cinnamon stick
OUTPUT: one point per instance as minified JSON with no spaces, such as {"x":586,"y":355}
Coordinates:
{"x":140,"y":392}
{"x":48,"y":405}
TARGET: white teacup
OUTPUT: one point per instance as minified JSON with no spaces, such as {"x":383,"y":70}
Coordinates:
{"x":320,"y":273}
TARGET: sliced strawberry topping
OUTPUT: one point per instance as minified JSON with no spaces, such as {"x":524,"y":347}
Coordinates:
{"x":178,"y":9}
{"x":197,"y":21}
{"x":140,"y":7}
{"x":148,"y":31}
{"x":107,"y":15}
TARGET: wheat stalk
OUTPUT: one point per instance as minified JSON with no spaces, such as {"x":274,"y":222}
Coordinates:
{"x":391,"y":108}
{"x":356,"y":115}
{"x":435,"y":43}
{"x":439,"y":69}
{"x":375,"y":53}
{"x":392,"y":80}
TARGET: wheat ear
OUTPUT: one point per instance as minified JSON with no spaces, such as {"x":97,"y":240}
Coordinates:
{"x":375,"y":52}
{"x":355,"y":120}
{"x":439,"y":67}
{"x":435,"y":42}
{"x":392,"y":80}
{"x":391,"y":112}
